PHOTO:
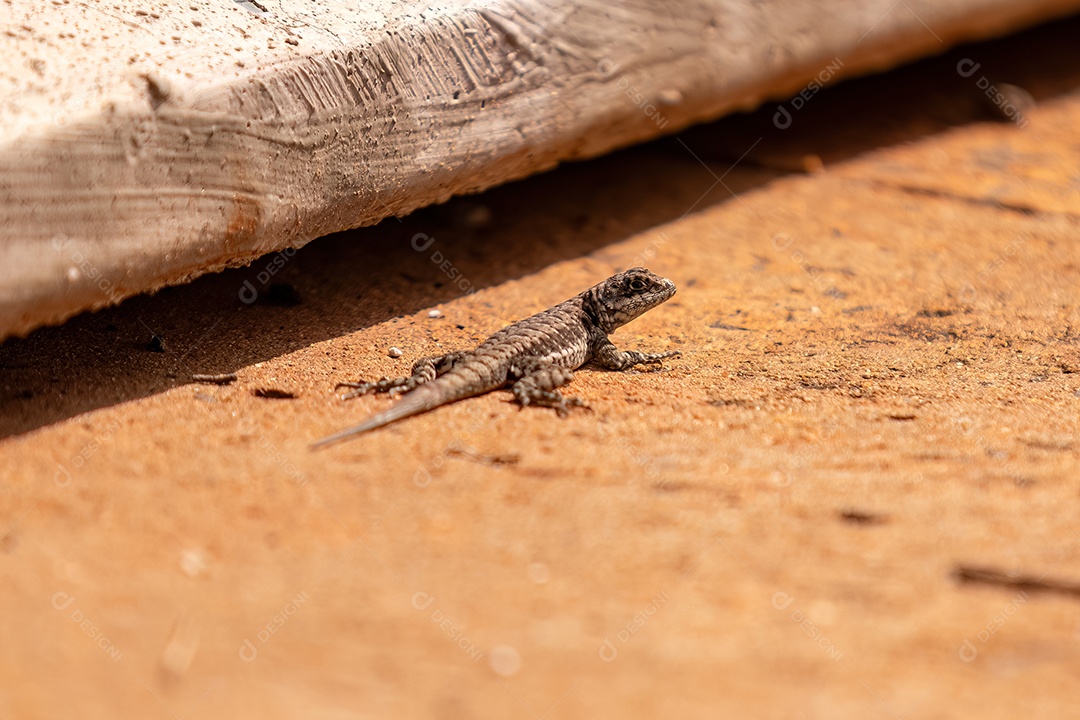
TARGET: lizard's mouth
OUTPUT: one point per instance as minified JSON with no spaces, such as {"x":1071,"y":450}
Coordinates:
{"x":664,"y":292}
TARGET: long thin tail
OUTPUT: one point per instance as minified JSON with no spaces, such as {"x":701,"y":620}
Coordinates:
{"x":428,"y":396}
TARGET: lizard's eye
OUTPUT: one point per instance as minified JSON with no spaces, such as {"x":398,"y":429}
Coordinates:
{"x":637,"y":284}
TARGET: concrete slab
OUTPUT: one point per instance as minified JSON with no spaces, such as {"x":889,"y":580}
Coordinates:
{"x":147,"y":143}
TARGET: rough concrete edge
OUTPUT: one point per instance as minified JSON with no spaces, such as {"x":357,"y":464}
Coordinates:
{"x":191,"y":180}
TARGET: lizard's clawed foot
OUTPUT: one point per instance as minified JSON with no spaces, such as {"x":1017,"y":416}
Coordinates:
{"x":660,"y":357}
{"x":367,"y":388}
{"x":562,"y":409}
{"x":655,"y":362}
{"x":551,"y":399}
{"x":358,"y":389}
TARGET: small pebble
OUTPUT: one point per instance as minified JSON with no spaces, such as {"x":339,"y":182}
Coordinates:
{"x":180,"y":649}
{"x":539,"y":573}
{"x":812,"y":164}
{"x":193,"y":562}
{"x":435,"y":314}
{"x":395,"y":352}
{"x":222,"y":379}
{"x":505,"y":660}
{"x":669,"y":97}
{"x":1009,"y":103}
{"x":273,"y":394}
{"x":477,"y":216}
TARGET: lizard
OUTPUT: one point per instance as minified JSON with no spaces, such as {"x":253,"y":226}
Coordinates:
{"x":535,"y":356}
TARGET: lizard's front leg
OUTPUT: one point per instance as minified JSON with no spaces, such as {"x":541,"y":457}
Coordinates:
{"x":539,"y":385}
{"x":612,"y":358}
{"x":423,"y":370}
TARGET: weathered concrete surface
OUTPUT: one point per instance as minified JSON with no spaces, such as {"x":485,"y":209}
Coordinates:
{"x":144,"y":144}
{"x":879,"y":384}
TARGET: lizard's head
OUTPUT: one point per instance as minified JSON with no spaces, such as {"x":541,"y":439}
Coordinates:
{"x":623,"y":297}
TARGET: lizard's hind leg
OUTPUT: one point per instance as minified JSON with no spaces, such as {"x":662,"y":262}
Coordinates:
{"x":539,"y":386}
{"x":423,"y":370}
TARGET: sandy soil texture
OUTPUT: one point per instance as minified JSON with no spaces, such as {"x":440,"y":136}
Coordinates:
{"x":854,"y":495}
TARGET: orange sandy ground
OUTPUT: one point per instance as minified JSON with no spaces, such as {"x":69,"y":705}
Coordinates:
{"x":879,"y":384}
